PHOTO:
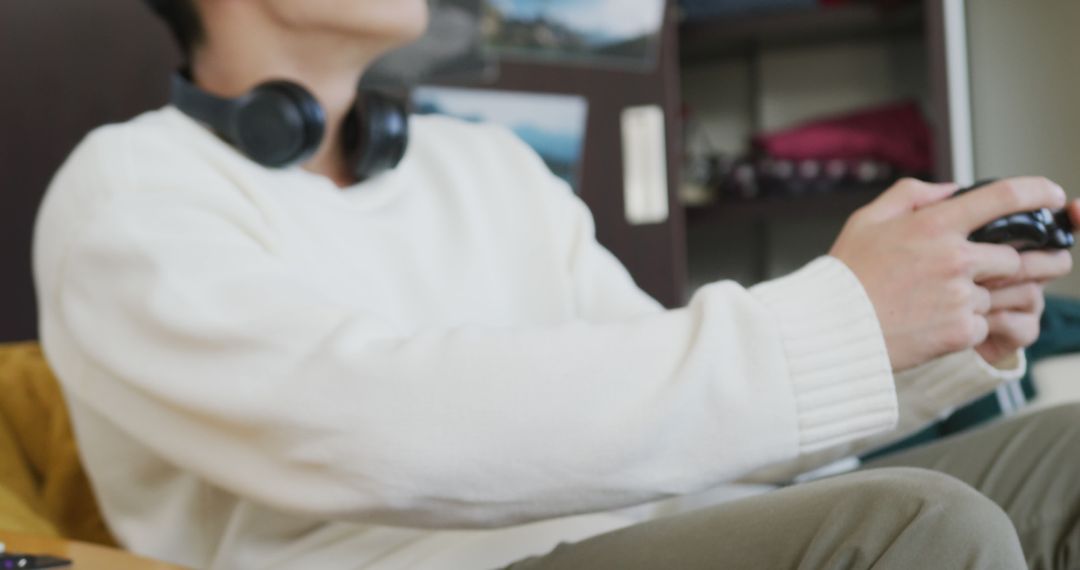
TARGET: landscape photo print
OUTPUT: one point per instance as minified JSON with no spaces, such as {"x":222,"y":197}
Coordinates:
{"x":606,"y":33}
{"x":553,"y":125}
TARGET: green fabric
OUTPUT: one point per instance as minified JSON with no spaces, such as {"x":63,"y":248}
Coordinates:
{"x":1060,"y":329}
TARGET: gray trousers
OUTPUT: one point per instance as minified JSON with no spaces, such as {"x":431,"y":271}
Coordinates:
{"x":1004,"y":496}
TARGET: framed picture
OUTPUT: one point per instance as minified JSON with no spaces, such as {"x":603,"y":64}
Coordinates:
{"x":553,"y":125}
{"x":612,"y":33}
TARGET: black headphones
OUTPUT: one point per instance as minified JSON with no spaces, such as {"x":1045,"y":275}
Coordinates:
{"x":279,"y":124}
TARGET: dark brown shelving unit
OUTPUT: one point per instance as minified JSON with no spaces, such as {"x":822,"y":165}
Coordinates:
{"x":707,"y":40}
{"x":748,"y":37}
{"x":781,"y":208}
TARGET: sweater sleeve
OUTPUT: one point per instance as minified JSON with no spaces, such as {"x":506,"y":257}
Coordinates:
{"x":926,"y":394}
{"x":829,"y":329}
{"x":933,"y":391}
{"x":179,"y":324}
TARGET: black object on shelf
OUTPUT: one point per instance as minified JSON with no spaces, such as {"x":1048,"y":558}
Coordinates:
{"x":710,"y":38}
{"x":841,"y":202}
{"x":768,"y":177}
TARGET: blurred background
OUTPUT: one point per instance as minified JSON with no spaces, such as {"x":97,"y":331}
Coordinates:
{"x":713,"y":139}
{"x":994,"y":84}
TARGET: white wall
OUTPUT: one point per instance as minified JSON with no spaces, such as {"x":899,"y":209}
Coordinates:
{"x":1025,"y":75}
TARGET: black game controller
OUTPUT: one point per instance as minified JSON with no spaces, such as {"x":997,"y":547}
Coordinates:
{"x":1027,"y":231}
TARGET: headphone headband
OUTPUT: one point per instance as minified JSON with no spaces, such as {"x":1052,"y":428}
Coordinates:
{"x":198,"y":104}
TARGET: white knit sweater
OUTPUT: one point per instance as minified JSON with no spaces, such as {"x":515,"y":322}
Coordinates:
{"x":267,"y":371}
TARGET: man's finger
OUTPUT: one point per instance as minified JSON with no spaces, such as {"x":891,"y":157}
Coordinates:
{"x":1027,"y":298}
{"x":983,"y":301}
{"x":1036,"y":267}
{"x":1018,"y":329}
{"x":994,"y":262}
{"x":975,"y":209}
{"x":1074,"y":212}
{"x":1045,"y":266}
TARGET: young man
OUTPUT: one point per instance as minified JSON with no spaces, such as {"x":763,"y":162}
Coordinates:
{"x":440,"y":367}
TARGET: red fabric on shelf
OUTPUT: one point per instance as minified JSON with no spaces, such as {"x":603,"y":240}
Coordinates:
{"x":896,"y":133}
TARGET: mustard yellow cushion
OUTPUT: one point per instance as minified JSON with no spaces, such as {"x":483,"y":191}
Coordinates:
{"x":17,"y":516}
{"x":20,"y":506}
{"x":40,"y":464}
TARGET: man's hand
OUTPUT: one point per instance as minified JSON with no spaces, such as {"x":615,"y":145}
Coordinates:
{"x":1017,"y":303}
{"x":910,"y":250}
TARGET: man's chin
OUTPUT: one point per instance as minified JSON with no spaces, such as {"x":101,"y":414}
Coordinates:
{"x":411,"y":30}
{"x":402,"y":25}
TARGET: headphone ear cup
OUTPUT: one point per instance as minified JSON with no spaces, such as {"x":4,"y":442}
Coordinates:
{"x":278,"y":124}
{"x":376,"y":133}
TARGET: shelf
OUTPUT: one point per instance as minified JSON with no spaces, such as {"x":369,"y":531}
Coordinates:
{"x":842,"y":203}
{"x":702,"y":40}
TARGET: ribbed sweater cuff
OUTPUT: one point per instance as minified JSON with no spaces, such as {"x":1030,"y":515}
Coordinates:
{"x":837,"y":360}
{"x":955,"y":380}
